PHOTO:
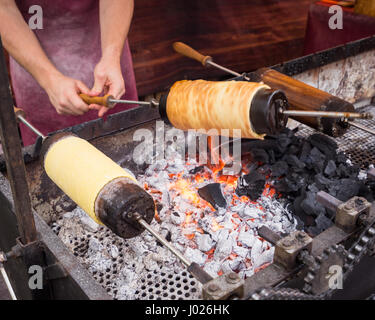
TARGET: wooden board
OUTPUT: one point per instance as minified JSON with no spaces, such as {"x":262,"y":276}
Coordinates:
{"x":240,"y":34}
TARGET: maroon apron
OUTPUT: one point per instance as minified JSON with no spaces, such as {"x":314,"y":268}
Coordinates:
{"x":71,"y":39}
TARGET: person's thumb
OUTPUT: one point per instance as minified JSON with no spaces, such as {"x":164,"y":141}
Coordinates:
{"x":82,"y":87}
{"x":99,"y":84}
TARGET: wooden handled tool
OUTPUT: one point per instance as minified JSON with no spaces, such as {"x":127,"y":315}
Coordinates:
{"x":105,"y":101}
{"x":189,"y":52}
{"x":109,"y":101}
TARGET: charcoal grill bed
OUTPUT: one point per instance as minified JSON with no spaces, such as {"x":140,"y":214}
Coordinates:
{"x":354,"y":62}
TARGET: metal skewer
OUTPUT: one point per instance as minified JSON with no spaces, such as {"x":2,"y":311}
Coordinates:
{"x":328,"y":114}
{"x":164,"y":241}
{"x":20,"y":115}
{"x":201,"y":275}
{"x":3,"y":258}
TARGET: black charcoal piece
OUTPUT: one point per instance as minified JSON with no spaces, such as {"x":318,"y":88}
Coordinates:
{"x":299,"y":212}
{"x":260,"y":155}
{"x":317,"y":160}
{"x":279,"y":169}
{"x":344,"y":189}
{"x":310,"y":206}
{"x":251,"y":185}
{"x":322,"y":182}
{"x":196,"y":170}
{"x":305,"y":152}
{"x":322,"y":223}
{"x":212,"y":193}
{"x":294,"y":162}
{"x":330,"y":169}
{"x":325,"y":144}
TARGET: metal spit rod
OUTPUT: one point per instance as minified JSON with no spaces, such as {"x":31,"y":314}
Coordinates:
{"x":3,"y":258}
{"x":29,"y":125}
{"x":164,"y":241}
{"x":328,"y":114}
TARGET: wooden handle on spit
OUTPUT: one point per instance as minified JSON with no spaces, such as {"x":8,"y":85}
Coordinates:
{"x":103,"y":101}
{"x":189,"y":52}
{"x":19,"y":112}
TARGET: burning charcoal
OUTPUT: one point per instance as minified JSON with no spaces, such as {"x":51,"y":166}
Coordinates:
{"x":220,"y":234}
{"x":177,"y":217}
{"x":212,"y":268}
{"x":251,"y":185}
{"x":250,"y":212}
{"x":325,"y":144}
{"x":260,"y":155}
{"x":196,"y":170}
{"x":241,"y":251}
{"x":311,"y":206}
{"x":330,"y":169}
{"x":194,"y":255}
{"x":263,"y":258}
{"x":246,"y":238}
{"x":279,"y":169}
{"x":204,"y":242}
{"x":256,"y":249}
{"x":226,"y":267}
{"x":236,"y":264}
{"x":212,"y":193}
{"x":223,"y":248}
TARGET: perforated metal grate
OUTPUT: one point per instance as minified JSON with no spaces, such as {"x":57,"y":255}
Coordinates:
{"x":163,"y":284}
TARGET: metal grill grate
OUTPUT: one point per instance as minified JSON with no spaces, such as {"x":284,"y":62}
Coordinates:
{"x":357,"y":144}
{"x":156,"y":284}
{"x":163,"y":284}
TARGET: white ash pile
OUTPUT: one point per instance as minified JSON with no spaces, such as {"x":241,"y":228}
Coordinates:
{"x":122,"y":266}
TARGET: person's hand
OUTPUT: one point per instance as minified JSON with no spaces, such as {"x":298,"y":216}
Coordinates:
{"x":108,"y":80}
{"x":63,"y":93}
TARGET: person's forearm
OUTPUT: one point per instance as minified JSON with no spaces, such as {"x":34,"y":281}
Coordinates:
{"x":22,"y":44}
{"x":115,"y":19}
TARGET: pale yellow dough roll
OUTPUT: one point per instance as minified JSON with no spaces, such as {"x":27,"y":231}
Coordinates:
{"x":209,"y":105}
{"x":81,"y":171}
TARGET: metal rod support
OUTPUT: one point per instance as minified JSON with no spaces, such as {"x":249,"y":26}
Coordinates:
{"x":327,"y":114}
{"x":217,"y":66}
{"x":7,"y":282}
{"x":171,"y":248}
{"x":30,"y":126}
{"x":151,"y":103}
